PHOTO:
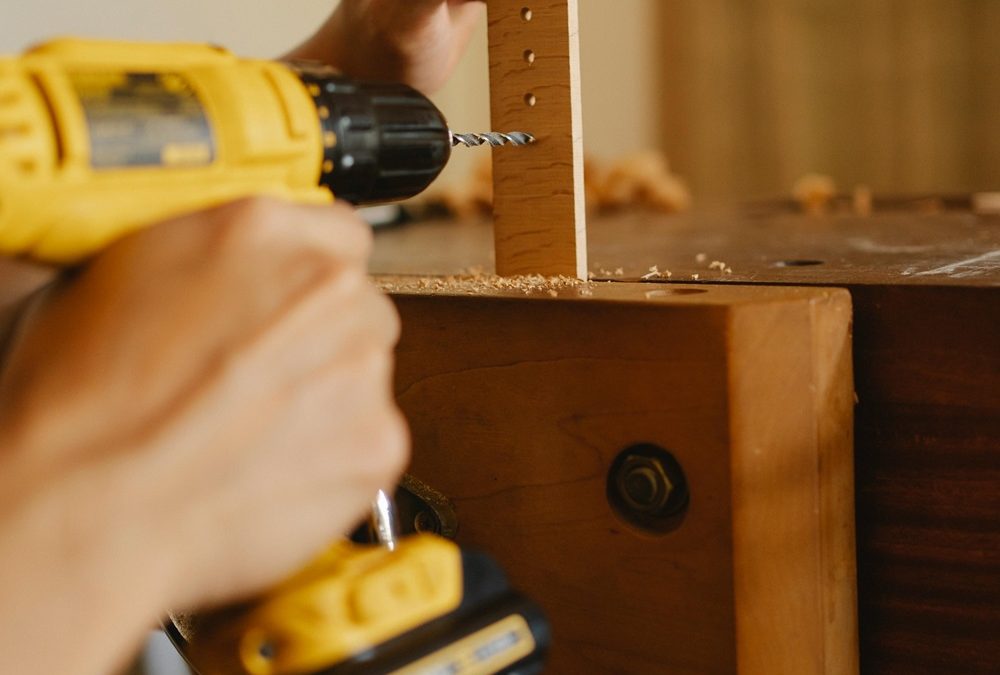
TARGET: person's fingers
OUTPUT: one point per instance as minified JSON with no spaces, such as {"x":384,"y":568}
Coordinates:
{"x":335,"y":228}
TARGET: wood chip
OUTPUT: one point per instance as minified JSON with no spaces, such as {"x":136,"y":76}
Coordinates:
{"x":862,"y":201}
{"x":655,"y":273}
{"x":814,"y":192}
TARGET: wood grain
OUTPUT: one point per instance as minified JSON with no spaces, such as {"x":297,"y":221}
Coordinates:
{"x":518,"y":406}
{"x":927,"y":364}
{"x":928,"y":478}
{"x":539,"y":225}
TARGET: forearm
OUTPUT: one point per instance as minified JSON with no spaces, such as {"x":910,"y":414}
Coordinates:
{"x":77,"y":594}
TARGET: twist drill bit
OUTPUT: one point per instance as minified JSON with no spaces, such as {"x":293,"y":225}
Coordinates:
{"x":492,"y":138}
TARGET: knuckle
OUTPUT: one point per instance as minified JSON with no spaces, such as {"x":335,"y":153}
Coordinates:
{"x":391,"y":446}
{"x":388,"y":319}
{"x":352,"y":234}
{"x":258,"y":211}
{"x":245,"y":223}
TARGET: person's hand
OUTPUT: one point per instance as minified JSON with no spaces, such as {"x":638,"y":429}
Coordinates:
{"x":195,"y":414}
{"x":417,"y":42}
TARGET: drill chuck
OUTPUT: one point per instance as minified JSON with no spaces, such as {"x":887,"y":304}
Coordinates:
{"x":381,"y":141}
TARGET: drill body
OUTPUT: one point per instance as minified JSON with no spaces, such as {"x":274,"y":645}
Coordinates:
{"x":98,"y":139}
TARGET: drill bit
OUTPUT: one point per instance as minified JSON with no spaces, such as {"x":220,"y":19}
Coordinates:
{"x":493,"y":138}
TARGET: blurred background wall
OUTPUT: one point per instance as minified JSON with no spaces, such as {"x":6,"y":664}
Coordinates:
{"x":900,"y":95}
{"x":744,"y":96}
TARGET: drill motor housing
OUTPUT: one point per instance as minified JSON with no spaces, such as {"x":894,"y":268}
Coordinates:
{"x":100,"y":138}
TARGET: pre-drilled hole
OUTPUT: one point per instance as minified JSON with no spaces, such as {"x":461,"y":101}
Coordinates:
{"x":526,"y":13}
{"x":529,"y":56}
{"x":530,"y":100}
{"x":667,"y":292}
{"x":797,"y":263}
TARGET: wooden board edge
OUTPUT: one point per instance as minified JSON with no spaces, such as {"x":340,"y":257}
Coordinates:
{"x":792,"y":483}
{"x":832,"y":320}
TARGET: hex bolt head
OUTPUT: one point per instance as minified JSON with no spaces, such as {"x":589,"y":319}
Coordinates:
{"x":646,"y":487}
{"x":644,"y":484}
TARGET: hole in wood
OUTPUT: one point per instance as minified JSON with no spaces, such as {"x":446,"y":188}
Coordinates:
{"x":667,"y":292}
{"x":647,"y":488}
{"x":526,"y":14}
{"x":529,"y":57}
{"x":798,"y":263}
{"x":530,"y":100}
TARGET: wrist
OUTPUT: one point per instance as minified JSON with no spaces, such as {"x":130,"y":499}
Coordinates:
{"x":325,"y":45}
{"x":73,"y":565}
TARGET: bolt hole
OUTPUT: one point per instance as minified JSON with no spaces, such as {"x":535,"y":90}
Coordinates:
{"x":798,"y":263}
{"x":425,"y":521}
{"x":526,"y":14}
{"x":530,"y":100}
{"x":646,"y":488}
{"x":529,"y":57}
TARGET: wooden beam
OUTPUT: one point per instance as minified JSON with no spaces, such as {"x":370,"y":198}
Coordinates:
{"x":538,"y":208}
{"x":519,"y":409}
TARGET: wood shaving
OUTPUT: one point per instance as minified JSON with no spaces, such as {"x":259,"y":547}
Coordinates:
{"x":985,"y":203}
{"x":642,"y":179}
{"x":695,"y":276}
{"x":655,"y":273}
{"x":862,"y":200}
{"x":701,"y":257}
{"x":814,"y":192}
{"x":717,"y":265}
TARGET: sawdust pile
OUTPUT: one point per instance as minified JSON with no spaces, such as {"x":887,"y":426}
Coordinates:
{"x":477,"y":283}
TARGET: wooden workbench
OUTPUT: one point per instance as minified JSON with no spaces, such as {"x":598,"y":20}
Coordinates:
{"x":927,"y":367}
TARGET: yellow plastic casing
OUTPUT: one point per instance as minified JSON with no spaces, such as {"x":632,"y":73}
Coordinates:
{"x":348,"y":601}
{"x":58,"y":204}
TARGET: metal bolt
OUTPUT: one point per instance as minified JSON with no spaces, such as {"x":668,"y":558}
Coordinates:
{"x":425,"y":521}
{"x":644,"y":485}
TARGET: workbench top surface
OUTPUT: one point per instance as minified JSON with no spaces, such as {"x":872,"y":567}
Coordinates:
{"x":765,"y":244}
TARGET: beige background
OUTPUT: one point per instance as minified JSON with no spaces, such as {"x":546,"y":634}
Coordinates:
{"x":744,"y":95}
{"x":617,"y":62}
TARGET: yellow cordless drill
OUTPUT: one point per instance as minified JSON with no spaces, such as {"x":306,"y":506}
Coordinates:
{"x":98,"y":139}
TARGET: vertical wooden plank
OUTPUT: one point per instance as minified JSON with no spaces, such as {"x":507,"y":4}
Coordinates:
{"x":538,"y":206}
{"x":793,"y":515}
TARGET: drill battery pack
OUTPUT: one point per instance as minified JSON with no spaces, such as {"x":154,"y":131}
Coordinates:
{"x":427,"y":607}
{"x":494,"y":630}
